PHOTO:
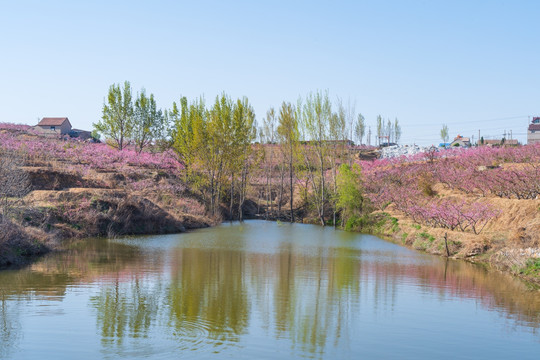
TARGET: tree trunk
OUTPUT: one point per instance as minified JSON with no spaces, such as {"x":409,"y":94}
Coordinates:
{"x":282,"y":177}
{"x":292,"y":189}
{"x":232,"y":198}
{"x":322,"y":192}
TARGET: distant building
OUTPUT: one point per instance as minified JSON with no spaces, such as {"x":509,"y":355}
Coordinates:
{"x":80,"y":134}
{"x":461,"y":141}
{"x":533,"y":132}
{"x":499,"y":142}
{"x":54,"y":126}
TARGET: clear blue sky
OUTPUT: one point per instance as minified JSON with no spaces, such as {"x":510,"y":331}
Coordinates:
{"x":470,"y":64}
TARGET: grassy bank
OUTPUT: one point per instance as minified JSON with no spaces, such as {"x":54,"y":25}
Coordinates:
{"x":481,"y":205}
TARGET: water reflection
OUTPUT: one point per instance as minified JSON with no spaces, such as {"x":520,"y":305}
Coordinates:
{"x":125,"y":310}
{"x":208,"y":285}
{"x":255,"y":286}
{"x":10,"y":327}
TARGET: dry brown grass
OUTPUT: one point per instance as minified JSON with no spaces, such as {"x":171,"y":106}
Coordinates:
{"x":525,"y":237}
{"x":18,"y":245}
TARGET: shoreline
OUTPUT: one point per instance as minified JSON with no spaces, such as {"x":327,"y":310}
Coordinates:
{"x":388,"y":232}
{"x":504,"y":259}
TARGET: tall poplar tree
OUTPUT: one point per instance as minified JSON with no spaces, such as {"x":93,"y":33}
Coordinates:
{"x":315,"y":120}
{"x":444,"y":133}
{"x":269,"y":136}
{"x":147,"y":119}
{"x":337,"y":146}
{"x":380,"y":129}
{"x":360,"y":128}
{"x":397,"y":131}
{"x":117,"y":120}
{"x":288,"y":138}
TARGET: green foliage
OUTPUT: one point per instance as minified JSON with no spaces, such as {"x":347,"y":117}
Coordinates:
{"x":404,"y":237}
{"x":316,"y":117}
{"x":423,"y":241}
{"x":532,"y":268}
{"x":397,"y":131}
{"x":379,"y":129}
{"x":427,"y":236}
{"x":95,"y":134}
{"x":395,"y":225}
{"x":288,"y":136}
{"x":360,"y":128}
{"x":367,"y":223}
{"x":124,"y":121}
{"x":444,"y":133}
{"x":349,"y":191}
{"x":117,"y":119}
{"x":214,"y":145}
{"x":357,"y":223}
{"x":148,"y":121}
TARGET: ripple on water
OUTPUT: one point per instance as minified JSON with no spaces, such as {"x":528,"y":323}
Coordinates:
{"x":201,"y":336}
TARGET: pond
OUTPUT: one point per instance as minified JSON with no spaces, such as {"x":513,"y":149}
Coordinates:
{"x":262,"y":290}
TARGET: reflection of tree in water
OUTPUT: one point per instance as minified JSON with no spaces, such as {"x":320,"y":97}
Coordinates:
{"x":207,"y":287}
{"x":313,"y":295}
{"x":316,"y":296}
{"x":84,"y":261}
{"x":49,"y":278}
{"x":127,"y":309}
{"x":10,"y":327}
{"x":205,"y":300}
{"x":325,"y":309}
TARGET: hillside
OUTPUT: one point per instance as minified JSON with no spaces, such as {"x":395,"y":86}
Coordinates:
{"x":81,"y":189}
{"x":482,"y":204}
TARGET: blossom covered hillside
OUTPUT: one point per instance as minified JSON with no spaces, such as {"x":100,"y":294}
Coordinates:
{"x":79,"y":189}
{"x":480,"y":200}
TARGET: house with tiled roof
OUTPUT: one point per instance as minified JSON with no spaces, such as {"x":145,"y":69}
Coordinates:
{"x":54,"y":126}
{"x":533,"y":132}
{"x":461,"y":141}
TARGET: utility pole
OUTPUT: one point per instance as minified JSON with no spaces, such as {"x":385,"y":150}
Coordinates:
{"x":479,"y":135}
{"x":369,"y":136}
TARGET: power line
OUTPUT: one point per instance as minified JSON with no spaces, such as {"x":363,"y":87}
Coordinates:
{"x":469,"y":122}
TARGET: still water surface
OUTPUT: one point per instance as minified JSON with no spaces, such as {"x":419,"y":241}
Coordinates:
{"x":262,"y":290}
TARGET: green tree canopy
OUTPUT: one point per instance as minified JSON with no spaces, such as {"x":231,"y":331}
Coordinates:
{"x":349,"y":194}
{"x":147,"y":121}
{"x":117,"y":120}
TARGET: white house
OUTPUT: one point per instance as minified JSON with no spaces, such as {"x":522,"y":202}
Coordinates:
{"x":533,"y":132}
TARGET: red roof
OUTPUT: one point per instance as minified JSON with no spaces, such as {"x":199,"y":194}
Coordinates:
{"x":49,"y":121}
